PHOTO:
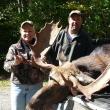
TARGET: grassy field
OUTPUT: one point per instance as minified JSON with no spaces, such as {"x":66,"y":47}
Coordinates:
{"x":4,"y":84}
{"x":4,"y":79}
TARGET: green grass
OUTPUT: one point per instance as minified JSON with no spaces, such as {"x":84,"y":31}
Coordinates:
{"x":4,"y":84}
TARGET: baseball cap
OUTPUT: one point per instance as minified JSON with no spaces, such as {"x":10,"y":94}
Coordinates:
{"x":28,"y":22}
{"x":74,"y":12}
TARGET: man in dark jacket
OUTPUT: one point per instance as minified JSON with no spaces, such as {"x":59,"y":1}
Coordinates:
{"x":71,"y":42}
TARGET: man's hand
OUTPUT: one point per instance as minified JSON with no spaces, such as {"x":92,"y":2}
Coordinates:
{"x":33,"y":62}
{"x":19,"y":59}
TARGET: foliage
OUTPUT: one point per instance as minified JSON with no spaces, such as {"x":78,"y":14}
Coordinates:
{"x":3,"y":73}
{"x":97,"y":14}
{"x":13,"y":12}
{"x":43,"y":11}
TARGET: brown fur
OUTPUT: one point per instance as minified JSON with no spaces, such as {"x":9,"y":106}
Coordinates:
{"x":60,"y":83}
{"x":58,"y":86}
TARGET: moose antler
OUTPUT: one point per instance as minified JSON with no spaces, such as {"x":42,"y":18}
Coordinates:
{"x":45,"y":38}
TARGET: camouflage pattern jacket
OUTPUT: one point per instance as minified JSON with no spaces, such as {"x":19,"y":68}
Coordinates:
{"x":23,"y":73}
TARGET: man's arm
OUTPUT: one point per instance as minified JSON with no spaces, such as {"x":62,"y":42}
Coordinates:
{"x":9,"y":61}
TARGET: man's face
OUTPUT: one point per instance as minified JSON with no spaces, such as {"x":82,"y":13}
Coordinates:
{"x":27,"y":33}
{"x":75,"y":22}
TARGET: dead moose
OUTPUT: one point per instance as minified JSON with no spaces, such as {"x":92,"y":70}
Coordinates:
{"x":63,"y":78}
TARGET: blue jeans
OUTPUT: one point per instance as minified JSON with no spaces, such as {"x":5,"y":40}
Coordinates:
{"x":21,"y":94}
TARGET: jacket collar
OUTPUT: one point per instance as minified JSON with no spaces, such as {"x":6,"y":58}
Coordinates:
{"x":22,"y":45}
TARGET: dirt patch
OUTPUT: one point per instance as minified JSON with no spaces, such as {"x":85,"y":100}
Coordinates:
{"x":5,"y":99}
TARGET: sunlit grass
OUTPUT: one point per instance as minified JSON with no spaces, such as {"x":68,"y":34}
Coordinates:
{"x":4,"y":84}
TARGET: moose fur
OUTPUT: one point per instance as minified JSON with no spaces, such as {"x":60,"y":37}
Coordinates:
{"x":58,"y":87}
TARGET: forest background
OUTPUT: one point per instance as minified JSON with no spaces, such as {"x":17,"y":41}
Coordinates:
{"x":13,"y":12}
